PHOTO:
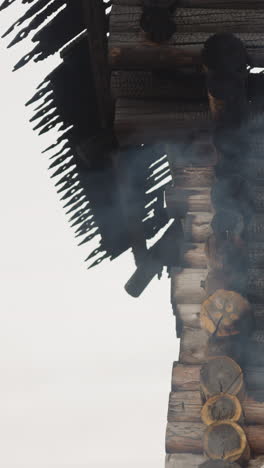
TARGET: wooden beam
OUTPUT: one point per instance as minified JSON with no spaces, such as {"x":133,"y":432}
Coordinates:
{"x":180,"y":201}
{"x":187,"y":437}
{"x":132,"y":50}
{"x":186,"y":377}
{"x":203,"y":3}
{"x":189,"y":314}
{"x":94,"y":19}
{"x":187,"y":406}
{"x":148,"y":84}
{"x":125,"y":19}
{"x":186,"y":285}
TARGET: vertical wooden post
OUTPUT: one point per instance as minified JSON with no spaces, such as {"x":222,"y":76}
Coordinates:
{"x":95,"y":20}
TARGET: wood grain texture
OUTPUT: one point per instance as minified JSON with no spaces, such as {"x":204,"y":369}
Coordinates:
{"x":187,"y":406}
{"x":191,"y":198}
{"x":167,"y":85}
{"x":203,"y":3}
{"x":188,"y":437}
{"x":183,"y":460}
{"x":193,"y":346}
{"x":186,"y":285}
{"x":127,"y":18}
{"x":186,"y":377}
{"x":132,"y":50}
{"x":189,"y":314}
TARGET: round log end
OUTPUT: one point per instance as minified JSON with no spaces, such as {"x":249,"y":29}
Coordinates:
{"x":225,"y":440}
{"x":221,"y":375}
{"x":225,"y":313}
{"x":221,"y":407}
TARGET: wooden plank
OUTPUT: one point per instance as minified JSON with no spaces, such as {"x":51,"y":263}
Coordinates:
{"x":124,"y":19}
{"x":133,"y":51}
{"x":187,"y":406}
{"x":186,"y":285}
{"x":203,"y":3}
{"x":188,"y":437}
{"x":182,"y":460}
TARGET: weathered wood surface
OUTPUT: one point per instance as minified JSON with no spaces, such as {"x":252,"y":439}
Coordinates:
{"x":197,"y":228}
{"x":148,"y":84}
{"x":226,"y":440}
{"x":187,"y":378}
{"x":203,"y":3}
{"x":194,"y":255}
{"x":94,"y":20}
{"x":125,"y":19}
{"x":132,"y":50}
{"x":221,"y":407}
{"x":221,"y":374}
{"x":187,"y":437}
{"x":226,"y":313}
{"x":189,"y":314}
{"x":184,"y":460}
{"x":193,"y":346}
{"x":187,"y":406}
{"x":186,"y":285}
{"x":194,"y":177}
{"x":146,"y":121}
{"x":218,"y":464}
{"x":182,"y":200}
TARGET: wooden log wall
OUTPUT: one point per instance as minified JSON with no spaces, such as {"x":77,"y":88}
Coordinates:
{"x":224,"y":275}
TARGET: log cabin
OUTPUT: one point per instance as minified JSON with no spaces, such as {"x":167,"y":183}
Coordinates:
{"x":155,"y":132}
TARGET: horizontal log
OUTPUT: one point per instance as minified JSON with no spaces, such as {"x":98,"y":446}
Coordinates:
{"x":188,"y":437}
{"x":197,"y":227}
{"x":194,"y":255}
{"x":186,"y":285}
{"x":132,"y":50}
{"x":226,"y":440}
{"x":189,"y":314}
{"x":187,"y":406}
{"x":193,"y":346}
{"x":187,"y":378}
{"x":125,"y":19}
{"x":155,"y":85}
{"x":203,"y":3}
{"x":146,"y":121}
{"x":194,"y":177}
{"x":184,"y":460}
{"x":180,"y":201}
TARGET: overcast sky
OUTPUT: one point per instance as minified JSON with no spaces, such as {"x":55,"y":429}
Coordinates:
{"x":85,"y":369}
